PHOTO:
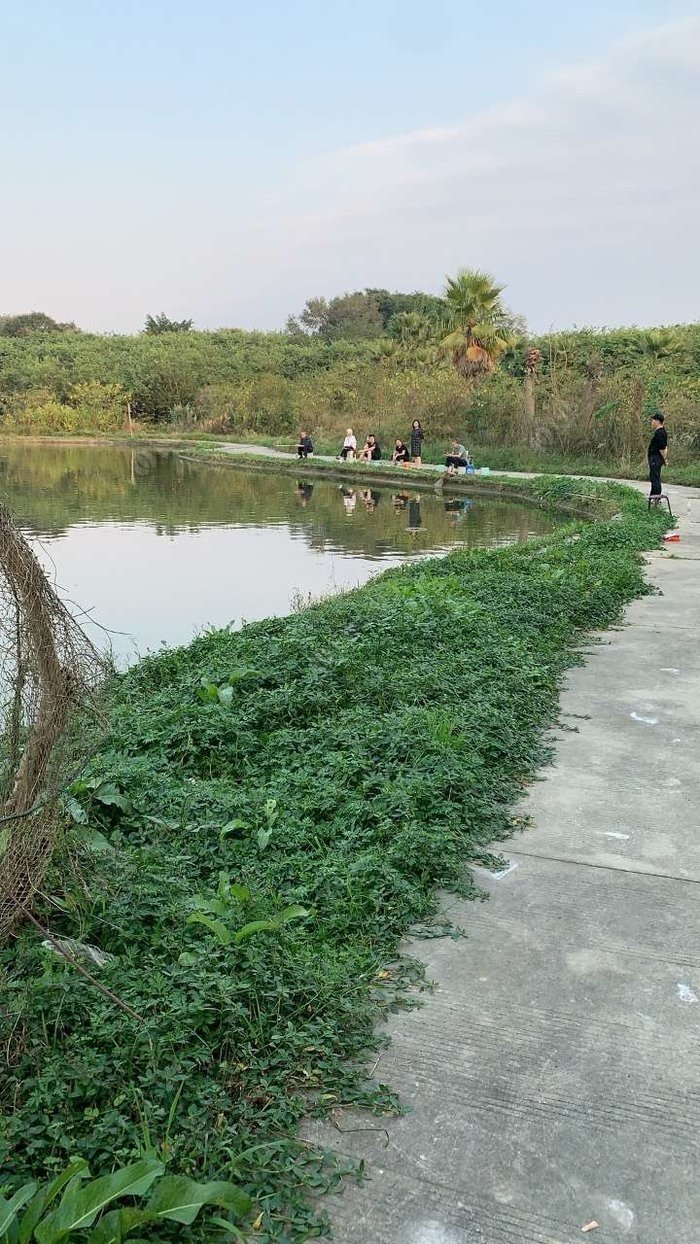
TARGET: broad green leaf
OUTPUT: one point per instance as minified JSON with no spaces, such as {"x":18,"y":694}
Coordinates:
{"x":76,"y":1170}
{"x":241,"y":893}
{"x":293,"y":912}
{"x":96,"y":841}
{"x":180,"y":1199}
{"x":10,"y":1209}
{"x":215,"y":926}
{"x":225,"y":695}
{"x":224,"y":885}
{"x":216,"y":906}
{"x":242,"y":672}
{"x":228,"y":1226}
{"x":231,"y":827}
{"x":110,"y":795}
{"x":264,"y":836}
{"x":117,"y":1225}
{"x":76,"y":810}
{"x":255,"y":926}
{"x":187,"y":959}
{"x":80,"y":1206}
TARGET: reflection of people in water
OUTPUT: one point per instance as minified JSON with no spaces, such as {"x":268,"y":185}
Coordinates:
{"x":458,"y":508}
{"x":399,"y":500}
{"x":349,"y":499}
{"x":415,"y":522}
{"x":305,"y":491}
{"x":370,"y":498}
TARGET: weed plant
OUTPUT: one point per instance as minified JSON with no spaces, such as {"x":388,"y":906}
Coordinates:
{"x":271,"y":811}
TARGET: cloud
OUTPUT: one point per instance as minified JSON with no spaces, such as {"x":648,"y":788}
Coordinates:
{"x":583,"y":197}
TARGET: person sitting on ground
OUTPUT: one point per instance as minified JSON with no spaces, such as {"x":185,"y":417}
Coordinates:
{"x":457,"y":459}
{"x":349,"y":445}
{"x":400,"y":454}
{"x":305,"y":447}
{"x":370,"y":450}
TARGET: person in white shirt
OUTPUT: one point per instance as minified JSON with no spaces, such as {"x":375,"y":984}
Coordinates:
{"x":349,"y":445}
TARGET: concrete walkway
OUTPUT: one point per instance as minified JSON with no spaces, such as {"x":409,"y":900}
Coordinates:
{"x":553,"y":1076}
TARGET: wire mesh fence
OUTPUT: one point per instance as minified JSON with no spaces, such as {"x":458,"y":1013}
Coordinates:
{"x":49,"y":673}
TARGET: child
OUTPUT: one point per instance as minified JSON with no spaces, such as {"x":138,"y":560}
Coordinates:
{"x":400,"y":454}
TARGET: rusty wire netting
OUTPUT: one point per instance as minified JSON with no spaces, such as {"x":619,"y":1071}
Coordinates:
{"x":48,"y":671}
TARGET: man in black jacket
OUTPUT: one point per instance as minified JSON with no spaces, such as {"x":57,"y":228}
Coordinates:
{"x":657,"y":452}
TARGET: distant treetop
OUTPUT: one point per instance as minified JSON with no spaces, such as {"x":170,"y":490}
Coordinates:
{"x":364,"y":315}
{"x":32,"y":322}
{"x":156,"y":324}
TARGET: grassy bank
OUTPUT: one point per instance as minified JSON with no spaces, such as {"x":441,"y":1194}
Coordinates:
{"x":497,"y":458}
{"x":277,"y":807}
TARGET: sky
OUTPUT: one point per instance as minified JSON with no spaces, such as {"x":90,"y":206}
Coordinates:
{"x":227,"y":161}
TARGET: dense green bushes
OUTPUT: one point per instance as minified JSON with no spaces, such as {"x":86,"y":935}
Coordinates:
{"x":288,"y":765}
{"x":590,"y":397}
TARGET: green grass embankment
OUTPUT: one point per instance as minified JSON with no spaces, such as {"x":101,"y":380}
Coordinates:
{"x":321,"y":774}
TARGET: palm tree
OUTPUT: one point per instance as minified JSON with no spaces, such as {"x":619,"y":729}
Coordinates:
{"x":411,"y":328}
{"x":661,"y":343}
{"x":477,"y":327}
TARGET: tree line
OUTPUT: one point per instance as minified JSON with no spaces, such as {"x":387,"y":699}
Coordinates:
{"x":461,"y":362}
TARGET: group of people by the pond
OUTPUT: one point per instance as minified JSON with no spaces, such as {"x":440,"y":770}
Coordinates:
{"x":371,"y":450}
{"x":459,"y":458}
{"x":403,"y":454}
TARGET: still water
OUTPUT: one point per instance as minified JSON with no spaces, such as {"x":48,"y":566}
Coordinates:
{"x":152,"y":549}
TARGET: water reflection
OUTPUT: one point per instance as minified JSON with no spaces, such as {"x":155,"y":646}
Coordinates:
{"x":157,"y":547}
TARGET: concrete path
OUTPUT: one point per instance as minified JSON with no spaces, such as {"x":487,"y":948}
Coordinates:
{"x":553,"y":1076}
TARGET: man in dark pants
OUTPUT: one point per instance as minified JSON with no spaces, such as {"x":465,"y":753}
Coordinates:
{"x":657,"y":453}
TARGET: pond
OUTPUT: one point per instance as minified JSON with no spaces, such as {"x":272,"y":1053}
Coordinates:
{"x":149,"y":548}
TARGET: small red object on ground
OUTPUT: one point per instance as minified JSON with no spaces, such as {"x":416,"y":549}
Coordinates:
{"x":673,"y":536}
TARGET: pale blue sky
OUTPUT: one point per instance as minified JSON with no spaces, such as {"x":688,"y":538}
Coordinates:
{"x":227,"y":161}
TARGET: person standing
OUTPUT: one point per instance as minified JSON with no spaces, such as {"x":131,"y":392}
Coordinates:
{"x":657,"y":453}
{"x":416,"y":442}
